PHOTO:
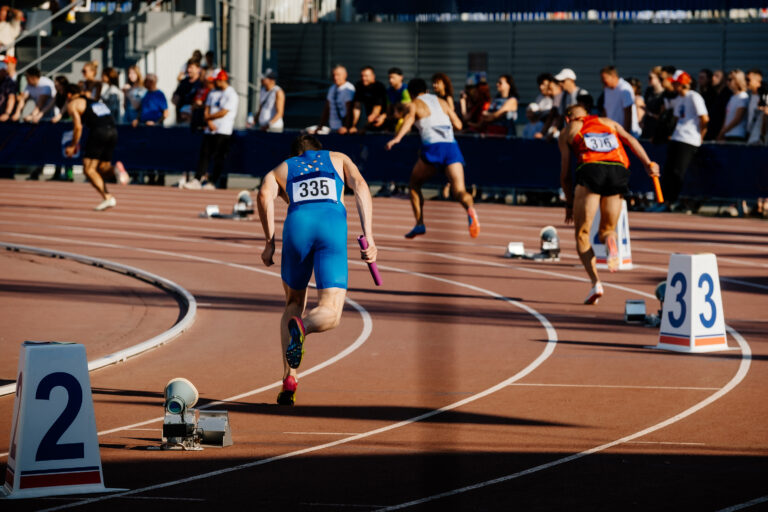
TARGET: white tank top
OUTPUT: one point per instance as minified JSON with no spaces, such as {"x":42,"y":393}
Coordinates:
{"x":268,"y":105}
{"x":437,"y":127}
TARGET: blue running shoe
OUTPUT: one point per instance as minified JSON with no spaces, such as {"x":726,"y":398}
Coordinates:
{"x":418,"y":229}
{"x":295,"y":350}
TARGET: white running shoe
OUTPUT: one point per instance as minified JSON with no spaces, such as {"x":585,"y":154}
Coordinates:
{"x":122,"y":175}
{"x":209,"y":186}
{"x":107,"y":203}
{"x":193,"y":184}
{"x":594,"y":294}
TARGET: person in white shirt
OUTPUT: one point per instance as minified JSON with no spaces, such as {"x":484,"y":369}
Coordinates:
{"x":735,"y":126}
{"x":220,"y":111}
{"x":272,"y":103}
{"x":42,"y":91}
{"x":754,"y":113}
{"x":619,"y":100}
{"x":692,"y":117}
{"x":337,"y":112}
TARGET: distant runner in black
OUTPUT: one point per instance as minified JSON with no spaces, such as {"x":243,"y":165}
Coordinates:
{"x":100,"y":144}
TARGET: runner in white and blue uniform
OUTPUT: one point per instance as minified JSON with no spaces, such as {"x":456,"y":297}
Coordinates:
{"x":314,"y":238}
{"x":439,"y":150}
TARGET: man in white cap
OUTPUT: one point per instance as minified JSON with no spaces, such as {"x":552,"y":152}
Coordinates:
{"x":570,"y":95}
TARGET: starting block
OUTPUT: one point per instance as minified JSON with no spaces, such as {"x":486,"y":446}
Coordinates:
{"x":634,"y":311}
{"x":241,"y":210}
{"x":622,"y":233}
{"x":692,"y":318}
{"x":54,"y":448}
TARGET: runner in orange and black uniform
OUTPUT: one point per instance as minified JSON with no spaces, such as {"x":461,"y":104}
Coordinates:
{"x":100,"y":144}
{"x":602,"y":175}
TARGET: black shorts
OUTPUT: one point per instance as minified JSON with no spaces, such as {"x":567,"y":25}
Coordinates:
{"x":101,"y":143}
{"x":604,"y":179}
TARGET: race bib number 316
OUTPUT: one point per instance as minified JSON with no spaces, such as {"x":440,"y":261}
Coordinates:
{"x":601,"y":142}
{"x":313,"y":189}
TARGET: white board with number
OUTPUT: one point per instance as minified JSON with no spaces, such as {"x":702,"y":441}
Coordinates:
{"x":54,"y":447}
{"x":692,"y":318}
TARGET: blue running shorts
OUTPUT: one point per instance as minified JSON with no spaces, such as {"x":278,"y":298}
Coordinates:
{"x":442,"y":154}
{"x":315,"y":237}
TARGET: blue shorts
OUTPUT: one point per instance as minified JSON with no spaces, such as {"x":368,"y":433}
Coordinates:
{"x":442,"y":154}
{"x":315,"y":237}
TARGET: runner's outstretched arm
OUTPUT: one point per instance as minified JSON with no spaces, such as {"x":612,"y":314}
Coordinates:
{"x":265,"y":201}
{"x":408,"y":121}
{"x":650,"y":166}
{"x":357,"y":183}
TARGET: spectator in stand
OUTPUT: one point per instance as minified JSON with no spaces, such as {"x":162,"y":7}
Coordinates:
{"x":500,"y":117}
{"x":91,"y":85}
{"x":619,"y":100}
{"x":60,"y":83}
{"x":637,"y":86}
{"x":197,"y":56}
{"x":338,"y":104}
{"x":11,"y":62}
{"x":397,"y":94}
{"x":475,"y":100}
{"x":704,"y":85}
{"x":41,"y":91}
{"x":572,"y":93}
{"x":10,"y":28}
{"x":220,"y":112}
{"x":654,"y":103}
{"x":272,"y":103}
{"x":133,"y":92}
{"x":197,"y":117}
{"x":7,"y":94}
{"x":186,"y":91}
{"x":209,"y":63}
{"x":154,"y":106}
{"x":111,"y":95}
{"x":691,"y":115}
{"x":550,"y":130}
{"x":544,"y":99}
{"x":735,"y":125}
{"x":754,"y":113}
{"x":721,"y":95}
{"x":443,"y":89}
{"x":370,"y":95}
{"x":534,"y":126}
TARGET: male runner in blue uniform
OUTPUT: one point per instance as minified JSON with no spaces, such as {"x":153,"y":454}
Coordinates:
{"x":435,"y":121}
{"x":314,"y":237}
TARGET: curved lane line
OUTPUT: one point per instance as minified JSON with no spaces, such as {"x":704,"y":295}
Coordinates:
{"x":543,"y":356}
{"x":740,"y":374}
{"x":161,"y":282}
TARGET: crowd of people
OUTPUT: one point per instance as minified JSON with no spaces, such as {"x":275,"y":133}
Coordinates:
{"x":734,"y":103}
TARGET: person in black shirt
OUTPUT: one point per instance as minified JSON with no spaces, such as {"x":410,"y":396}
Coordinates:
{"x":371,"y":95}
{"x":100,"y":144}
{"x":184,"y":95}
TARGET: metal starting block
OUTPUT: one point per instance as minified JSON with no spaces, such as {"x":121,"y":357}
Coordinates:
{"x":194,"y":429}
{"x":515,"y":250}
{"x":241,"y":210}
{"x":634,"y":311}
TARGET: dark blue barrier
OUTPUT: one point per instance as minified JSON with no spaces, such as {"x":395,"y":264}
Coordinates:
{"x":718,"y":170}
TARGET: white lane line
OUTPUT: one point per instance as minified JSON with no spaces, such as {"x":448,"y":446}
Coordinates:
{"x":746,"y":358}
{"x":605,"y":386}
{"x":748,"y":504}
{"x":323,"y":433}
{"x":543,"y":356}
{"x":673,"y":443}
{"x":362,"y":338}
{"x":120,"y":356}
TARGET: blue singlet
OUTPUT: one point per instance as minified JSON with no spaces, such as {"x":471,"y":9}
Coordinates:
{"x":315,"y":229}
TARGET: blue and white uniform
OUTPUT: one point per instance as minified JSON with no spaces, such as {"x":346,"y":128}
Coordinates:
{"x":315,"y":229}
{"x":438,"y":146}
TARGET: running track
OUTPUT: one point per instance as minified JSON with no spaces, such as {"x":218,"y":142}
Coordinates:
{"x":467,"y":382}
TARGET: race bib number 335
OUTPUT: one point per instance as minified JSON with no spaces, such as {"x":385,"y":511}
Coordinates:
{"x":314,"y":189}
{"x":601,"y":142}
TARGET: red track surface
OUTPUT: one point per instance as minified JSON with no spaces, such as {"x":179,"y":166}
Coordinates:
{"x":595,"y":421}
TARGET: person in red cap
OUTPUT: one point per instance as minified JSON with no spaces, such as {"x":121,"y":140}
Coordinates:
{"x":691,"y":117}
{"x":602,"y":176}
{"x":220,"y":111}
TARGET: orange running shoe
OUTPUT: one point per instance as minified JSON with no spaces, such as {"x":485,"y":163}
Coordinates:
{"x":474,"y":223}
{"x":612,"y":258}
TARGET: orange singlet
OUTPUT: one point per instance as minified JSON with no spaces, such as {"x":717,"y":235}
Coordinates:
{"x":598,"y":143}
